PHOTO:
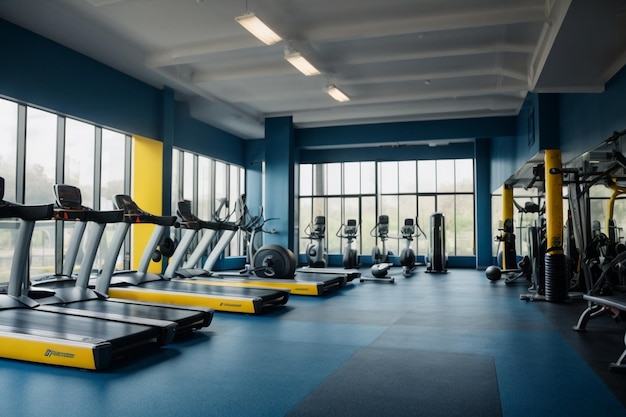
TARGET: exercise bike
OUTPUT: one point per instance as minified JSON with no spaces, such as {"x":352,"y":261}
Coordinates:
{"x":349,"y":231}
{"x":315,"y":249}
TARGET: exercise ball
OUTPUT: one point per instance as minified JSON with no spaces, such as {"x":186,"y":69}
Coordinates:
{"x":493,"y":273}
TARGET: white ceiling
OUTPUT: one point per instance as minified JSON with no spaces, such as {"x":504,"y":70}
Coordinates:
{"x":399,"y":60}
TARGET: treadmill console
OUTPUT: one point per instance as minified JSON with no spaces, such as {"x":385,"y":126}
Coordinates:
{"x":184,"y":211}
{"x":68,"y":197}
{"x":127,"y":204}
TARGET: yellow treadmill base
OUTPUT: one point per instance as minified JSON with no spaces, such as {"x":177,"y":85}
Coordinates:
{"x":68,"y":353}
{"x":218,"y":303}
{"x":295,"y":287}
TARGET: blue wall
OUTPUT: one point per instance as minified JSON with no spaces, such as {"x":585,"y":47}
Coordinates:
{"x":38,"y":71}
{"x":405,"y":132}
{"x":586,"y":120}
{"x":42,"y":73}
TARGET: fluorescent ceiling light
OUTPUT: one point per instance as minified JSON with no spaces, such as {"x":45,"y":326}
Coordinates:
{"x":297,"y":60}
{"x":336,"y":93}
{"x":255,"y":26}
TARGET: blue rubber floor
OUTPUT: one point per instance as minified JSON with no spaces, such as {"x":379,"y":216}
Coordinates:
{"x":282,"y":362}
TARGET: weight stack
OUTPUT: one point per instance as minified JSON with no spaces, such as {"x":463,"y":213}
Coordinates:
{"x":556,"y":282}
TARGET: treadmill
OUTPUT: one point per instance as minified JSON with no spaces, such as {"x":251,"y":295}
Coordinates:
{"x":140,"y":285}
{"x":32,"y":335}
{"x":73,"y":296}
{"x":311,"y":284}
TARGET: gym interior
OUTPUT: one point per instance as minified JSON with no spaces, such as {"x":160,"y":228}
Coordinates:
{"x":434,"y":265}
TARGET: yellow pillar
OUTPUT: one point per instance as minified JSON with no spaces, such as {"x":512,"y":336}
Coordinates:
{"x":507,"y":216}
{"x":556,"y":281}
{"x":554,"y":201}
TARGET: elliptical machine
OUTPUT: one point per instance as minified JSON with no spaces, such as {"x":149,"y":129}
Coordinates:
{"x":349,"y":231}
{"x":380,"y":264}
{"x":316,"y":249}
{"x":407,"y":255}
{"x":380,"y":231}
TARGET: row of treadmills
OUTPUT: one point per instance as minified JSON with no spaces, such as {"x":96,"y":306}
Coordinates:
{"x":89,"y":319}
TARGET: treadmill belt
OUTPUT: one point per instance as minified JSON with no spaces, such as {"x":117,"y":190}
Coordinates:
{"x":263,"y":294}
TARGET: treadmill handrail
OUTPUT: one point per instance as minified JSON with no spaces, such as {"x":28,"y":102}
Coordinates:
{"x":133,"y":214}
{"x":30,"y":212}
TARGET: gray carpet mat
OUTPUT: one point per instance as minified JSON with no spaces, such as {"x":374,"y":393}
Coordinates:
{"x":418,"y":383}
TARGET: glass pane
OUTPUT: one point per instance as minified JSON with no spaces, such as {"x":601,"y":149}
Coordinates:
{"x":333,"y":177}
{"x":351,"y":211}
{"x":465,"y":225}
{"x":425,"y":208}
{"x":306,"y":180}
{"x":319,"y":179}
{"x":305,"y":219}
{"x":388,"y":177}
{"x":333,"y":224}
{"x":445,"y":205}
{"x":445,"y":176}
{"x":42,"y":250}
{"x":8,"y":237}
{"x":406,"y":210}
{"x":220,"y":182}
{"x":368,"y":220}
{"x":464,"y":175}
{"x":597,"y":210}
{"x":236,"y":245}
{"x":188,"y":177}
{"x":8,"y":142}
{"x":599,"y":191}
{"x":389,"y":207}
{"x":205,"y":201}
{"x":112,"y":183}
{"x":368,"y":177}
{"x":176,"y":191}
{"x":41,"y":129}
{"x":619,"y":217}
{"x":113,"y":159}
{"x":407,"y":176}
{"x":351,"y":178}
{"x":426,"y":178}
{"x":79,"y":158}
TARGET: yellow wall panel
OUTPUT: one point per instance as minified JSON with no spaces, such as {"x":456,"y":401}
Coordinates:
{"x":147,"y":191}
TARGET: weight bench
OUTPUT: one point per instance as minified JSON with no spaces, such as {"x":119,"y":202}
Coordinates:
{"x":601,"y":304}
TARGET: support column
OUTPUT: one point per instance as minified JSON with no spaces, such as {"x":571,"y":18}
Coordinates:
{"x":482,"y":205}
{"x":278,"y":189}
{"x":167,"y":134}
{"x":507,"y":236}
{"x":556,"y":280}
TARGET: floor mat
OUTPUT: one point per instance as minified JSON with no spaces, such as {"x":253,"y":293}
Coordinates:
{"x":416,"y":383}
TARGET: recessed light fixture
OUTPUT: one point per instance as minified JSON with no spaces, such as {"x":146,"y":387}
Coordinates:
{"x":256,"y":27}
{"x":336,"y":93}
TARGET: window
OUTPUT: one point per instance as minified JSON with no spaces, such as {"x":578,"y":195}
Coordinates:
{"x":8,"y":159}
{"x":398,"y":189}
{"x":205,"y":182}
{"x":40,"y":149}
